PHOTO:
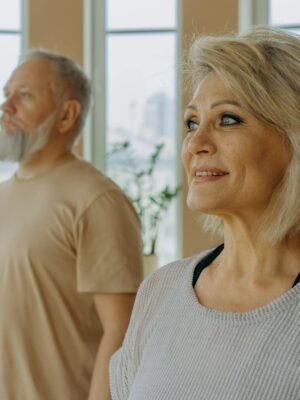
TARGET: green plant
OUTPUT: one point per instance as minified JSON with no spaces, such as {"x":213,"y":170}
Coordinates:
{"x":138,"y":180}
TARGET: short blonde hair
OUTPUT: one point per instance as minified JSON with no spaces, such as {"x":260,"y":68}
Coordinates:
{"x":262,"y":68}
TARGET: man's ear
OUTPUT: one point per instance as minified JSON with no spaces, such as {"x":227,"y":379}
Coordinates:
{"x":69,"y":113}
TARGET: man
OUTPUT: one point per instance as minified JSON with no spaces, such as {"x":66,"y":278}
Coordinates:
{"x":70,"y":246}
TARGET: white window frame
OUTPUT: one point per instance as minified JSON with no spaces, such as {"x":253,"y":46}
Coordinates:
{"x":23,"y":32}
{"x":252,"y":12}
{"x":24,"y":29}
{"x":256,"y":12}
{"x":94,"y":146}
{"x":24,"y":25}
{"x":285,"y":26}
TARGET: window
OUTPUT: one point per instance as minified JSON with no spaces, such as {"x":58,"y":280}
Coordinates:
{"x":136,"y":91}
{"x":140,"y":73}
{"x":10,"y":48}
{"x":285,"y":14}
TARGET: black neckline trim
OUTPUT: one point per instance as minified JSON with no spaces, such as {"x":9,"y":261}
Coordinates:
{"x":209,"y":258}
{"x":297,"y":280}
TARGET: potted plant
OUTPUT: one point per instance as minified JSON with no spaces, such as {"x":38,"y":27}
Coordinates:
{"x":139,"y":181}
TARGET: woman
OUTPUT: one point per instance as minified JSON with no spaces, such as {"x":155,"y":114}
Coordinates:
{"x":225,"y":325}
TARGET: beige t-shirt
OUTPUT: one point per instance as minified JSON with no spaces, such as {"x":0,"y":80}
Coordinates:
{"x":63,"y":236}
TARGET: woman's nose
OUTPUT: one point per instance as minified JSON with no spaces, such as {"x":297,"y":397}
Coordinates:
{"x":201,"y":141}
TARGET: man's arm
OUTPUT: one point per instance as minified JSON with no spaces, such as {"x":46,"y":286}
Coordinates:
{"x":114,"y":310}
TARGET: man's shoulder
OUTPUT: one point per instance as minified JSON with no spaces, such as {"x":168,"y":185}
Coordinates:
{"x":6,"y":185}
{"x":85,"y":177}
{"x":85,"y":170}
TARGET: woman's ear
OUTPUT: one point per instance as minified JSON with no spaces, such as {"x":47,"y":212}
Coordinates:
{"x":69,"y":113}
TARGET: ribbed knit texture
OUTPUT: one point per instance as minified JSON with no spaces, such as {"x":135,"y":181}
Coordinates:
{"x":176,"y":349}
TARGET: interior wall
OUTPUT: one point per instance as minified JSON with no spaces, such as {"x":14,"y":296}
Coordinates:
{"x":200,"y":17}
{"x":57,"y":25}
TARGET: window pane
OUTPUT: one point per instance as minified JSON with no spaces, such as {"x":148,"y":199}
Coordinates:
{"x":284,"y":12}
{"x":10,"y":46}
{"x":10,"y":14}
{"x":141,"y":14}
{"x":141,"y":109}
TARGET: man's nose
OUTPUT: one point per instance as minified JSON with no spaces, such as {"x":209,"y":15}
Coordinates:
{"x":8,"y":106}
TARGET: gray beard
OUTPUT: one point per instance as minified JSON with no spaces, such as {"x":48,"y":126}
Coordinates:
{"x":20,"y":145}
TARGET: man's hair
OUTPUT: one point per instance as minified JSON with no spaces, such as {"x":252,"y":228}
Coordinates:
{"x":262,"y":69}
{"x":70,"y":81}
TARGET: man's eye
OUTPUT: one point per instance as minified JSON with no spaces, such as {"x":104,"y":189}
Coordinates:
{"x":229,"y":119}
{"x":190,"y":125}
{"x":25,"y":95}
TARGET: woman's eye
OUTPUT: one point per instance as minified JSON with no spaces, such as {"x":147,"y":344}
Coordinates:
{"x":228,"y":119}
{"x":190,"y":125}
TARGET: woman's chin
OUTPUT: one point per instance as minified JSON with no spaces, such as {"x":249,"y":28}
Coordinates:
{"x":201,"y":207}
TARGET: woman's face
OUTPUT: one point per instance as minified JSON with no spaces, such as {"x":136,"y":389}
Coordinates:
{"x":232,"y":160}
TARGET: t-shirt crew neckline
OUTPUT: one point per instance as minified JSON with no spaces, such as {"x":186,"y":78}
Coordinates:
{"x":283,"y":303}
{"x":62,"y":161}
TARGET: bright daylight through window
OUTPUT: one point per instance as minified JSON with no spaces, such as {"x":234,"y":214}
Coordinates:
{"x":10,"y":48}
{"x":285,"y":14}
{"x":141,"y":81}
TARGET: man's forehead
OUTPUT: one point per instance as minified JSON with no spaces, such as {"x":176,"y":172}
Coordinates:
{"x":28,"y":86}
{"x":32,"y":73}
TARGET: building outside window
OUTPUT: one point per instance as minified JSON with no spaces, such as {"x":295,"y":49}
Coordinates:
{"x":10,"y":49}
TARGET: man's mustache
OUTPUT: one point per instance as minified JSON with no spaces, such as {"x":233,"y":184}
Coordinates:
{"x":10,"y":118}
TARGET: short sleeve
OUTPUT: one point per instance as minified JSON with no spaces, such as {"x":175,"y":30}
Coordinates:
{"x":109,"y":246}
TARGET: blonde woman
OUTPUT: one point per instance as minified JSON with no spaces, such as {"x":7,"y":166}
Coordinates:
{"x":225,"y":324}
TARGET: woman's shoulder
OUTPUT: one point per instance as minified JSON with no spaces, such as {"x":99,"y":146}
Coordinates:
{"x":168,"y":278}
{"x":178,"y":268}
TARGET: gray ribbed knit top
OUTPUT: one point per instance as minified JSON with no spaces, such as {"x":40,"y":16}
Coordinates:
{"x":177,"y":349}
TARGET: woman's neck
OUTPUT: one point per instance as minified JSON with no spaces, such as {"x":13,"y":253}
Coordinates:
{"x":249,"y":273}
{"x":247,"y":254}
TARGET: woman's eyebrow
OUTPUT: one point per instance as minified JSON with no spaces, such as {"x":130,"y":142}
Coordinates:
{"x":215,"y":104}
{"x":225,"y":101}
{"x":191,"y":107}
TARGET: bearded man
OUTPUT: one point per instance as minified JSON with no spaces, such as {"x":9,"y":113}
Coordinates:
{"x":70,"y":245}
